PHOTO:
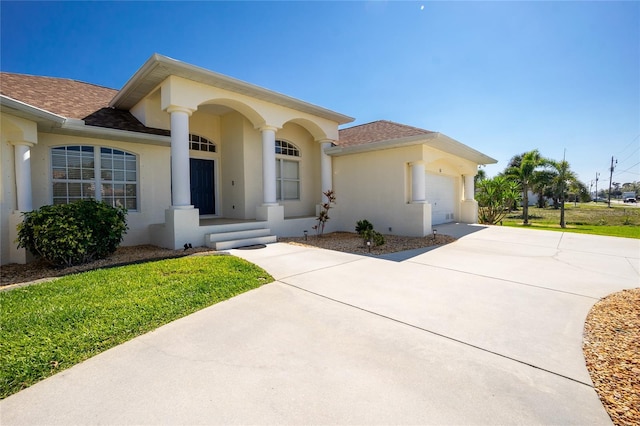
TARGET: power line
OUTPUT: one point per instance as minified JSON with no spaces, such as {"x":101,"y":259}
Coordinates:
{"x":630,"y":143}
{"x":630,"y":155}
{"x":628,"y":170}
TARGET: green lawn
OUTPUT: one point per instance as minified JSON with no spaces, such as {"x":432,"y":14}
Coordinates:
{"x":51,"y":326}
{"x":587,"y":218}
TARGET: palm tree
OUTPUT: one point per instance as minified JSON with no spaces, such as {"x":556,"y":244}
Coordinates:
{"x":565,"y":178}
{"x":542,"y":184}
{"x":523,"y":172}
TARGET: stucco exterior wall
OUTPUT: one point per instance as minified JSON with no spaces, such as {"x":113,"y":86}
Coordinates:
{"x":8,"y":196}
{"x":154,"y":194}
{"x":233,"y":182}
{"x":375,"y":186}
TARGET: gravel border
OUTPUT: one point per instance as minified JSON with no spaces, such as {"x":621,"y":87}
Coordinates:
{"x":611,"y":349}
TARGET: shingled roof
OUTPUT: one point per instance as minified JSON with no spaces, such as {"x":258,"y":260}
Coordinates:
{"x":377,"y":131}
{"x":61,"y":96}
{"x":72,"y":99}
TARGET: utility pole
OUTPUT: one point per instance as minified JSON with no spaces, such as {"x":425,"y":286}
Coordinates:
{"x":597,"y":174}
{"x":562,"y":182}
{"x":611,"y":179}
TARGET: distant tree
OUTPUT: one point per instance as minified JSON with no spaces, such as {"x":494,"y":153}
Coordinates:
{"x":542,"y":184}
{"x":522,"y":170}
{"x":495,"y":196}
{"x":481,"y":175}
{"x":566,"y":181}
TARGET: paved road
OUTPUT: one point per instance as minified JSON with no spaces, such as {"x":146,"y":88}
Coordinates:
{"x":486,"y":330}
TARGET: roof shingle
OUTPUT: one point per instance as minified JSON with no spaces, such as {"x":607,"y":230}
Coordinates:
{"x":61,"y":96}
{"x":72,"y":99}
{"x":377,"y":131}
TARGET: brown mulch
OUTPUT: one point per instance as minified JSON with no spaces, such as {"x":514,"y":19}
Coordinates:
{"x":611,"y":334}
{"x":349,"y":242}
{"x":611,"y":348}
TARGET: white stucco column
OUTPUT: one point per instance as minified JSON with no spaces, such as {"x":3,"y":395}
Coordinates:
{"x":180,"y":175}
{"x":269,"y":165}
{"x":23,"y":176}
{"x":326,"y":169}
{"x":469,"y":187}
{"x":418,"y":183}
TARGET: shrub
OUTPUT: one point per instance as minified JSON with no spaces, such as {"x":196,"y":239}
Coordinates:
{"x":364,"y":228}
{"x":71,"y":234}
{"x":363,"y":225}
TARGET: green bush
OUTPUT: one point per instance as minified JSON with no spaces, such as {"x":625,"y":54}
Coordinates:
{"x":71,"y":234}
{"x":364,"y":228}
{"x":377,"y":238}
{"x":363,"y":225}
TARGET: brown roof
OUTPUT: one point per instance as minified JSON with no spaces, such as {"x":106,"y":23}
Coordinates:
{"x":121,"y":120}
{"x":61,"y":96}
{"x":377,"y":131}
{"x":72,"y":99}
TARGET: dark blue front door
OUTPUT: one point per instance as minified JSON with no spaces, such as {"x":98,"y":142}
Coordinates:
{"x":202,"y":185}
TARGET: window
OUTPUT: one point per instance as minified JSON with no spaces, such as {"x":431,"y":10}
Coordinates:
{"x":287,"y":171}
{"x":286,"y":148}
{"x":74,"y":175}
{"x":198,"y":143}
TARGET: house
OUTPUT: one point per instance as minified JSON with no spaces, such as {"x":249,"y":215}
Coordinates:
{"x":198,"y":157}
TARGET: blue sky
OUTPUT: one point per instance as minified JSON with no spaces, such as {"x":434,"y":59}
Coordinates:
{"x":502,"y":77}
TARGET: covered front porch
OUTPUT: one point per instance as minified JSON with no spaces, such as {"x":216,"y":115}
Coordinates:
{"x":238,"y":153}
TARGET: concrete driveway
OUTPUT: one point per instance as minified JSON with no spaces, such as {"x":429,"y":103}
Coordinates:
{"x":487,"y":330}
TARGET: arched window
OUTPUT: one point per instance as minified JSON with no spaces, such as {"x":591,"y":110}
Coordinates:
{"x":287,"y":171}
{"x":199,"y":143}
{"x":287,"y":148}
{"x":77,"y":170}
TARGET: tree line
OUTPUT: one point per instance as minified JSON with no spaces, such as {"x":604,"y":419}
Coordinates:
{"x":526,"y":173}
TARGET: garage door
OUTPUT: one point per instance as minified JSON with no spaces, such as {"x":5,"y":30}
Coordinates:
{"x":441,"y":194}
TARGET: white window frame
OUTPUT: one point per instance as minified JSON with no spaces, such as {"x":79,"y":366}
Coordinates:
{"x":89,"y":180}
{"x":286,"y":152}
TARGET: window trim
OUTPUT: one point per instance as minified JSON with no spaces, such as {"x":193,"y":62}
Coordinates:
{"x":281,"y":179}
{"x":287,"y":151}
{"x":200,"y":142}
{"x":97,"y":180}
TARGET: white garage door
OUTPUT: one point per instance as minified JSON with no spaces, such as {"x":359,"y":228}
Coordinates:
{"x":441,"y":194}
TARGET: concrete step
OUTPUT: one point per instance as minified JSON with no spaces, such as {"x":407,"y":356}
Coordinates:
{"x":229,"y":244}
{"x":239,"y":238}
{"x":237,"y":235}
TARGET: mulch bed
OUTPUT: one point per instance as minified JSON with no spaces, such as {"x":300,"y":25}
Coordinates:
{"x":611,"y":348}
{"x":350,"y":242}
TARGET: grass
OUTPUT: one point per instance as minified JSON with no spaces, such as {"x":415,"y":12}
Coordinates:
{"x":588,"y":218}
{"x":51,"y":326}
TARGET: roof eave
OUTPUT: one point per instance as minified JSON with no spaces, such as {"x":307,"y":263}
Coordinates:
{"x":436,"y":140}
{"x":79,"y":128}
{"x":126,"y":97}
{"x":380,"y":145}
{"x":30,"y":112}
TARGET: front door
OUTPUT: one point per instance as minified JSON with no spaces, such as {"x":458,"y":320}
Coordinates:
{"x":203,"y":185}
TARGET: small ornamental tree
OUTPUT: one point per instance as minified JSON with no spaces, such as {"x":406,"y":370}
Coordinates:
{"x":71,"y":234}
{"x":323,"y":217}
